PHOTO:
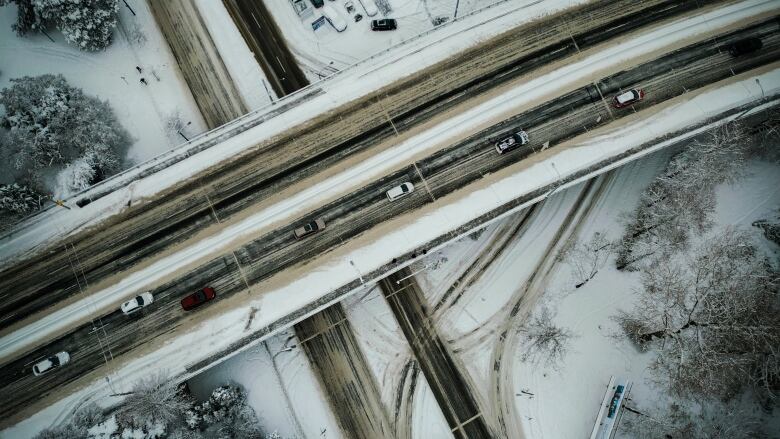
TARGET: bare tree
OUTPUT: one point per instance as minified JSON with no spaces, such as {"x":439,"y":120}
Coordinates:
{"x":543,"y":342}
{"x":713,"y":319}
{"x":155,"y":399}
{"x":713,"y":420}
{"x":680,"y":202}
{"x":586,"y":258}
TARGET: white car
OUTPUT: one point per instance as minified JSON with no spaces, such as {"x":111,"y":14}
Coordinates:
{"x":136,"y":303}
{"x":51,"y":363}
{"x":400,"y":191}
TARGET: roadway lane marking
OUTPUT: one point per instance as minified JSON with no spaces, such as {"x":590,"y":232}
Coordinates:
{"x":425,"y":182}
{"x":233,"y":252}
{"x":280,"y":64}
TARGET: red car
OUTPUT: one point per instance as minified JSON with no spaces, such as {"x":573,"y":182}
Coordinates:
{"x":197,"y":299}
{"x":628,"y":98}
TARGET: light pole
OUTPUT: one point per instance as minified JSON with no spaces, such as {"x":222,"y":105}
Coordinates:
{"x":360,"y":275}
{"x":761,"y":87}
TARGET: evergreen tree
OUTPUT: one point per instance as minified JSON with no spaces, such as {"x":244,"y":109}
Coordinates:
{"x":86,"y":23}
{"x":53,"y":125}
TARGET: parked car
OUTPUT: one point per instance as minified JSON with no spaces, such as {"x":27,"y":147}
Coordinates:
{"x":358,"y":17}
{"x":627,"y":98}
{"x":385,"y":24}
{"x":195,"y":300}
{"x":334,"y":18}
{"x":350,"y":7}
{"x":51,"y":363}
{"x":317,"y":3}
{"x":309,"y":228}
{"x":516,"y":139}
{"x":743,"y":47}
{"x":400,"y":191}
{"x":135,"y":304}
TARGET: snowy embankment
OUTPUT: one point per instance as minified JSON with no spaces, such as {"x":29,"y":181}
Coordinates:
{"x":564,"y":160}
{"x":239,"y":60}
{"x":196,"y":156}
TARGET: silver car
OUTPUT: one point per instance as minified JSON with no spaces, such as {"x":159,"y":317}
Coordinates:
{"x":400,"y":191}
{"x":136,"y":303}
{"x":309,"y":228}
{"x":51,"y":363}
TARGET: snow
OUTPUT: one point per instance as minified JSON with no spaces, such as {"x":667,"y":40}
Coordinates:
{"x":290,"y":402}
{"x":111,"y":75}
{"x":325,"y":51}
{"x":387,"y":352}
{"x":564,"y":162}
{"x":338,"y":269}
{"x":577,"y":388}
{"x":246,"y":73}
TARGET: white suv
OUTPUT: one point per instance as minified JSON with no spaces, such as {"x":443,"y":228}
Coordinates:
{"x":51,"y":363}
{"x":400,"y":191}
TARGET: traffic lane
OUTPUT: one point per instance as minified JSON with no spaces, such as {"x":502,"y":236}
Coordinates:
{"x":356,"y":223}
{"x":233,"y":191}
{"x":116,"y":335}
{"x":330,"y":344}
{"x":267,"y":43}
{"x":447,"y":384}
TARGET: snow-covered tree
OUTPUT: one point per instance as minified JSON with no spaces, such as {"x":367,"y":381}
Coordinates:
{"x":680,"y":202}
{"x":86,"y":23}
{"x":713,"y":319}
{"x":543,"y":342}
{"x":711,"y":420}
{"x":51,"y":125}
{"x":67,"y":431}
{"x":17,"y":199}
{"x":27,"y":19}
{"x":227,"y":413}
{"x":88,"y":416}
{"x":586,"y":258}
{"x":154,"y":400}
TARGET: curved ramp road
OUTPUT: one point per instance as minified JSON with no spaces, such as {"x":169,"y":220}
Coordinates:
{"x":437,"y":175}
{"x":142,"y":232}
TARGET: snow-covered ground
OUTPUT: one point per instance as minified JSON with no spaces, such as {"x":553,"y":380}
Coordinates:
{"x":324,"y":51}
{"x":564,"y":403}
{"x":281,"y":387}
{"x":111,"y":75}
{"x":578,"y":387}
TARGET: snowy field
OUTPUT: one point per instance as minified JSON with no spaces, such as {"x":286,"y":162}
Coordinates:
{"x":281,"y":388}
{"x":111,"y":75}
{"x":564,"y":402}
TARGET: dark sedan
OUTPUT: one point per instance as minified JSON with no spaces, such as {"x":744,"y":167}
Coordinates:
{"x":195,"y":300}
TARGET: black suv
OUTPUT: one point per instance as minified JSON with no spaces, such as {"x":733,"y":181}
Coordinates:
{"x":386,"y":24}
{"x":743,"y":47}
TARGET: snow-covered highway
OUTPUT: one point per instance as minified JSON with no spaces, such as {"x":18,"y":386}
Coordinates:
{"x":440,"y":173}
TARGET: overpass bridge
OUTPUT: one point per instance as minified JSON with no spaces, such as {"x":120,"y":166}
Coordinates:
{"x":363,"y":215}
